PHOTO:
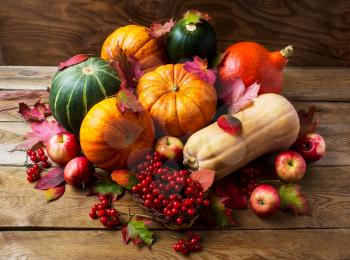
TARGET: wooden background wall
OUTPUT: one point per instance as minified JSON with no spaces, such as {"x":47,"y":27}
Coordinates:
{"x":44,"y":32}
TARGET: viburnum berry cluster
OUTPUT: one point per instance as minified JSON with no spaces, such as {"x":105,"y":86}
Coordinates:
{"x":39,"y":162}
{"x":109,"y":216}
{"x":170,"y":192}
{"x":249,"y":179}
{"x":189,"y":244}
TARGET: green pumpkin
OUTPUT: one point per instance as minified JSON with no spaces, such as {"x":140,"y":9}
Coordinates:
{"x":74,"y":90}
{"x":187,"y":39}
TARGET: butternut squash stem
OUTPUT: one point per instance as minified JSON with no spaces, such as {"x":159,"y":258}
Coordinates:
{"x":191,"y":163}
{"x":287,"y":52}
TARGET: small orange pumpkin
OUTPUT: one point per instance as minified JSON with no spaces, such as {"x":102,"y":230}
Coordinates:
{"x":135,"y":40}
{"x":180,"y":103}
{"x":115,"y":140}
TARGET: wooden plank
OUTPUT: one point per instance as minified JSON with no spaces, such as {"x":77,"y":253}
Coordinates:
{"x":262,"y":244}
{"x":23,"y":206}
{"x":308,"y":84}
{"x":45,"y":32}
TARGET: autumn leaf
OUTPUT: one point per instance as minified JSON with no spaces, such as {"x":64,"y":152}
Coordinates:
{"x":137,"y":232}
{"x":52,"y":178}
{"x":73,"y":61}
{"x":157,"y":30}
{"x":293,"y":200}
{"x":127,"y":101}
{"x":124,"y":178}
{"x":308,"y":121}
{"x":231,"y":194}
{"x":54,"y":193}
{"x":195,"y":17}
{"x":229,"y":124}
{"x":205,"y":177}
{"x":106,"y":186}
{"x":38,"y":113}
{"x":199,"y":67}
{"x":218,"y":59}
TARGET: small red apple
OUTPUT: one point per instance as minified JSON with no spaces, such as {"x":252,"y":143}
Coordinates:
{"x":170,"y":148}
{"x":312,"y":147}
{"x":79,"y":172}
{"x":265,"y":200}
{"x":290,"y":166}
{"x":62,"y":148}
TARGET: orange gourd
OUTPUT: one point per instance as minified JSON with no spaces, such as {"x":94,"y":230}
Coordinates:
{"x":252,"y":62}
{"x":180,"y":103}
{"x":114,"y":140}
{"x":136,"y":41}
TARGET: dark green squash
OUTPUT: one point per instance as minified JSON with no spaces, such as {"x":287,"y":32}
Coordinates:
{"x":74,"y":90}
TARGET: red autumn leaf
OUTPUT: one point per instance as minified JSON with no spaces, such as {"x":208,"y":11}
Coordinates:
{"x":73,"y":61}
{"x":38,"y":113}
{"x":52,"y":178}
{"x":205,"y":177}
{"x":157,"y":30}
{"x":54,"y":193}
{"x":124,"y":178}
{"x":230,"y":193}
{"x":195,"y":16}
{"x":308,"y":121}
{"x":199,"y":67}
{"x":127,"y":101}
{"x":230,"y":124}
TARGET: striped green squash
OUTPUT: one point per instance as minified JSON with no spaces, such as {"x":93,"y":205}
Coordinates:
{"x":76,"y":89}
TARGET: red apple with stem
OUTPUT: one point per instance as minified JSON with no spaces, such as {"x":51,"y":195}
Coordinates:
{"x":311,"y":147}
{"x":290,"y":166}
{"x":62,"y":148}
{"x":170,"y":148}
{"x":79,"y":172}
{"x":264,"y":200}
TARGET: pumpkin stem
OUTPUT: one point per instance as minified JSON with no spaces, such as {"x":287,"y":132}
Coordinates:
{"x":287,"y":52}
{"x":191,"y":163}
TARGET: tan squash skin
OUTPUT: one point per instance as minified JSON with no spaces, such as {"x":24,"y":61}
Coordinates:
{"x":270,"y":124}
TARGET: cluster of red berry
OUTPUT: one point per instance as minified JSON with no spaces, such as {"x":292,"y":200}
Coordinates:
{"x":39,"y":160}
{"x":249,"y":179}
{"x":189,"y":244}
{"x":172,"y":193}
{"x":109,"y":216}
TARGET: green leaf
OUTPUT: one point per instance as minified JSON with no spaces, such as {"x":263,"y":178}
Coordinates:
{"x":194,"y":17}
{"x":218,"y":59}
{"x":137,"y":232}
{"x":223,"y":215}
{"x":54,"y":193}
{"x":293,"y":200}
{"x":124,"y":178}
{"x":127,"y":101}
{"x":106,"y":186}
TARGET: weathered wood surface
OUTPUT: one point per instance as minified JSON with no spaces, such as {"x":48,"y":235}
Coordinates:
{"x":45,"y":32}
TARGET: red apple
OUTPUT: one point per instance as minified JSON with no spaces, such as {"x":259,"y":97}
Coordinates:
{"x":62,"y":148}
{"x":312,"y":147}
{"x":79,"y":172}
{"x":170,"y":148}
{"x":290,"y":166}
{"x":265,"y":200}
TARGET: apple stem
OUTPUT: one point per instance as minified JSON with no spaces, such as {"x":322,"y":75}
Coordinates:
{"x":167,"y":141}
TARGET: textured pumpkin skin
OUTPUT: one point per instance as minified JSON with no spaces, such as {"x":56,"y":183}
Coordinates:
{"x":136,"y":41}
{"x":76,"y":89}
{"x":180,"y":103}
{"x":270,"y":124}
{"x":114,"y":140}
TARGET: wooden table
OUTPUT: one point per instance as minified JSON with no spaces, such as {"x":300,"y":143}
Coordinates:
{"x":30,"y":228}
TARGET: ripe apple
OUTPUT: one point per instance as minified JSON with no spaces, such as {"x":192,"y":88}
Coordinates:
{"x":265,"y":200}
{"x":312,"y":147}
{"x":62,"y":148}
{"x":170,"y":148}
{"x":78,"y":172}
{"x":290,"y":166}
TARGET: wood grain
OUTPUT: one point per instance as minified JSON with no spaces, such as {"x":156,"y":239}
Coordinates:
{"x":45,"y":32}
{"x":279,"y":244}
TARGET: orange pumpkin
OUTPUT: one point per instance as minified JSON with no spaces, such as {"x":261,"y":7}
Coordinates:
{"x":135,"y":40}
{"x":114,"y":140}
{"x":180,"y":103}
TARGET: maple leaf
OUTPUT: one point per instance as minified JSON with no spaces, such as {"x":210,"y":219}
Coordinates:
{"x":124,"y":178}
{"x":199,"y":67}
{"x":308,"y":121}
{"x":229,"y":124}
{"x":127,"y":101}
{"x":230,"y":193}
{"x":293,"y":200}
{"x":205,"y":177}
{"x":157,"y":30}
{"x":195,"y":17}
{"x":106,"y":186}
{"x":38,"y":113}
{"x":76,"y":59}
{"x":137,"y":232}
{"x":52,"y":178}
{"x":54,"y":193}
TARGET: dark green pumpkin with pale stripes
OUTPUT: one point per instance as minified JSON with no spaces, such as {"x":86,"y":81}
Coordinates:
{"x":76,"y":89}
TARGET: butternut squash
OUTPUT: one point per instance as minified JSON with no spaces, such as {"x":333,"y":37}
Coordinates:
{"x":270,"y":124}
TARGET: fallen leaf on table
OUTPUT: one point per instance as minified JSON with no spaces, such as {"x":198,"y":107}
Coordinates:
{"x":38,"y":113}
{"x":54,"y":193}
{"x":52,"y":178}
{"x":293,"y":200}
{"x":308,"y":121}
{"x":205,"y":177}
{"x":231,"y":194}
{"x":199,"y":67}
{"x":124,"y":178}
{"x":127,"y":101}
{"x":106,"y":186}
{"x":157,"y":30}
{"x":137,"y":232}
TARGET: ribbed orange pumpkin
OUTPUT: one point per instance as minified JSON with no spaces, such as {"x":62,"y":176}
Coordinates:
{"x":114,"y":140}
{"x":180,"y":103}
{"x":136,"y":41}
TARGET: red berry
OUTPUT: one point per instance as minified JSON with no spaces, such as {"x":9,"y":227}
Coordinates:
{"x":29,"y":152}
{"x":177,"y":247}
{"x":191,"y":212}
{"x":134,"y":189}
{"x":40,"y":152}
{"x":183,"y":209}
{"x":94,"y":207}
{"x":92,"y":214}
{"x":105,"y":202}
{"x":112,"y":212}
{"x":199,"y":201}
{"x":184,"y":251}
{"x":179,"y":220}
{"x":206,"y":203}
{"x":100,"y":206}
{"x":101,"y":212}
{"x":177,"y":204}
{"x":103,"y":220}
{"x":45,"y":165}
